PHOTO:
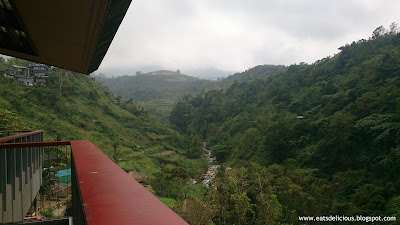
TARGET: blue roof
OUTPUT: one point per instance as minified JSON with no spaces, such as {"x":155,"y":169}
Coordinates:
{"x":40,"y":67}
{"x":63,"y":173}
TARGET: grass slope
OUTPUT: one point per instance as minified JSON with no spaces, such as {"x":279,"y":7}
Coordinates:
{"x":73,"y":106}
{"x":156,"y":91}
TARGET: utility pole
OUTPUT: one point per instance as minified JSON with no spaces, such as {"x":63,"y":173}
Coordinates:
{"x":60,"y":82}
{"x":60,"y":85}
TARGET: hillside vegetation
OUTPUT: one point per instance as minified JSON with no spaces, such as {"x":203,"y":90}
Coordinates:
{"x":154,"y":85}
{"x":320,"y":139}
{"x":159,"y":91}
{"x":73,"y":106}
{"x":156,"y":91}
{"x":257,"y":72}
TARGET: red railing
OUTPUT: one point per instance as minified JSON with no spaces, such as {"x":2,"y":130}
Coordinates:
{"x":110,"y":196}
{"x":105,"y":194}
{"x":14,"y":137}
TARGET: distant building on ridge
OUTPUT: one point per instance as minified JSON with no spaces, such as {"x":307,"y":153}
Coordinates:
{"x":34,"y":74}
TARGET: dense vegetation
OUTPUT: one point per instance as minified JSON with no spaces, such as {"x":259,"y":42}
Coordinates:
{"x":159,"y":91}
{"x":73,"y":106}
{"x":320,"y":139}
{"x":156,"y":91}
{"x":154,"y":85}
{"x":258,"y":72}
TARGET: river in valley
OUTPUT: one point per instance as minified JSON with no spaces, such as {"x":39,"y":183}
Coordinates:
{"x":209,"y":176}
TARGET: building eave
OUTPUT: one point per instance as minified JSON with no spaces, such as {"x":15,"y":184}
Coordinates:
{"x":73,"y":35}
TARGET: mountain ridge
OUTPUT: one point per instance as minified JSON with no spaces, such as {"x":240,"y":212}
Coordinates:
{"x":319,"y":139}
{"x":158,"y":91}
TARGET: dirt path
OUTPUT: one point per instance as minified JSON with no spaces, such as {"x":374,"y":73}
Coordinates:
{"x":166,"y":153}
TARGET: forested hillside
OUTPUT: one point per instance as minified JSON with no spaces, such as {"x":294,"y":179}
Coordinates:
{"x":73,"y":106}
{"x":258,"y":72}
{"x":320,"y":139}
{"x":156,"y":91}
{"x":159,"y":91}
{"x":154,"y":85}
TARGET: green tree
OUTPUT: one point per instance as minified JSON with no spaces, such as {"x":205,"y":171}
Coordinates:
{"x":379,"y":31}
{"x":170,"y":181}
{"x":115,"y":145}
{"x":49,"y":179}
{"x":270,"y":210}
{"x":194,"y":147}
{"x":181,"y":115}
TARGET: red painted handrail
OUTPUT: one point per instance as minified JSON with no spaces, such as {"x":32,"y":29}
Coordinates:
{"x":110,"y":196}
{"x":107,"y":193}
{"x":34,"y":144}
{"x":9,"y":138}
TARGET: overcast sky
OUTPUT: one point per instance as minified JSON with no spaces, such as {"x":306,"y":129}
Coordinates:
{"x":234,"y":35}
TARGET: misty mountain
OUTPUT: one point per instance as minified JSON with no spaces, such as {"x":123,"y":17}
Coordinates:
{"x":156,"y":91}
{"x":162,"y":84}
{"x":209,"y":73}
{"x":201,"y":73}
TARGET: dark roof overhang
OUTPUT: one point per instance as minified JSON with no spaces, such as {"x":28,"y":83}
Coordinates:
{"x":74,"y":34}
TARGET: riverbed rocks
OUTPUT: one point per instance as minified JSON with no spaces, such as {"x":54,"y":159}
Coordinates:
{"x":209,"y":176}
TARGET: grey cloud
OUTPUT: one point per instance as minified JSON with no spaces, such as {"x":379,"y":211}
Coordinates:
{"x":234,"y":35}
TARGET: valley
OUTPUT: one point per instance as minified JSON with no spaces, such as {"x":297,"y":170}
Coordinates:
{"x":209,"y":177}
{"x":159,"y":91}
{"x":156,"y":91}
{"x":265,"y":146}
{"x":73,"y":106}
{"x":318,"y":139}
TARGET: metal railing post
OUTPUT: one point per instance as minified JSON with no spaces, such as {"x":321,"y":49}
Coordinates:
{"x":77,"y":208}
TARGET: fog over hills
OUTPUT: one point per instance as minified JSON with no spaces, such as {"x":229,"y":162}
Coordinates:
{"x":157,"y":91}
{"x":208,"y":73}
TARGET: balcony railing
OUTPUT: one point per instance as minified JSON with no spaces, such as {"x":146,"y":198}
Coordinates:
{"x":102,"y":193}
{"x":20,"y":175}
